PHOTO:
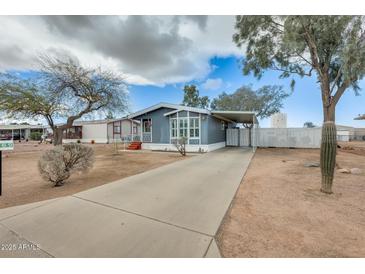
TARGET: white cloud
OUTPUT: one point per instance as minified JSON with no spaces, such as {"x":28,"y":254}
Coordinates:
{"x":212,"y":84}
{"x":155,"y":50}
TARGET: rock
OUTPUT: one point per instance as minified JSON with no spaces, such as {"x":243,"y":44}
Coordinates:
{"x":311,"y":164}
{"x":343,"y":170}
{"x":355,"y":170}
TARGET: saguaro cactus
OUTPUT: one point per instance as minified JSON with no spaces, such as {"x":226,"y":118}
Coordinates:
{"x":328,"y":155}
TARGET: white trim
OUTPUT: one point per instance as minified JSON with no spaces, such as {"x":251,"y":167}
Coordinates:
{"x":170,"y":129}
{"x":168,"y":105}
{"x":189,"y":148}
{"x":171,"y":112}
{"x":194,"y":138}
{"x":200,"y":128}
{"x":188,"y":114}
{"x":151,"y":126}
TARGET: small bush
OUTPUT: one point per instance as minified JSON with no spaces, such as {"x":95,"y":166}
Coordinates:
{"x":35,"y":136}
{"x":56,"y":165}
{"x":180,"y":145}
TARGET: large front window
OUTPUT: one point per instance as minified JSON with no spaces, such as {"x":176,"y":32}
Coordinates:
{"x":173,"y":127}
{"x":185,"y":127}
{"x":194,"y":127}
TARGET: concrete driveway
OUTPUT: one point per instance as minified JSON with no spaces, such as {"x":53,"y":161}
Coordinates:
{"x":171,"y":211}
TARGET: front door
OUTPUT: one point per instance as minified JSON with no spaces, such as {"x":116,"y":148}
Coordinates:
{"x":147,"y":130}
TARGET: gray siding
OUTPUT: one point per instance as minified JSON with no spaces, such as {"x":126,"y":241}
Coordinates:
{"x":215,"y":132}
{"x":211,"y":129}
{"x":160,"y":125}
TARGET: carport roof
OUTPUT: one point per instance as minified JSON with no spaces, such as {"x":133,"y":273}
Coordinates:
{"x":236,"y":116}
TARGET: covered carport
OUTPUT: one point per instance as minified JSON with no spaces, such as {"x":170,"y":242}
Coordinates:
{"x":239,"y":135}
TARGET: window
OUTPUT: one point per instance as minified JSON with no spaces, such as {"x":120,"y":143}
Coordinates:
{"x":147,"y":125}
{"x":223,"y":125}
{"x":173,"y":128}
{"x":194,"y":127}
{"x":134,"y":129}
{"x":183,"y":127}
{"x":179,"y":127}
{"x":116,"y":128}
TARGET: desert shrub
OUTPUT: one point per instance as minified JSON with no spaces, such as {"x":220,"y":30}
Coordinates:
{"x":56,"y":165}
{"x":180,"y":145}
{"x":36,"y":136}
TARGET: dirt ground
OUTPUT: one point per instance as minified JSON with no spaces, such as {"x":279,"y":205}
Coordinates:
{"x":22,"y":183}
{"x":279,"y":211}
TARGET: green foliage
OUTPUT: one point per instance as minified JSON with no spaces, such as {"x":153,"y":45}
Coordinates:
{"x":309,"y":125}
{"x":264,"y":101}
{"x":36,"y":136}
{"x":63,"y":89}
{"x":192,"y":98}
{"x":109,"y":116}
{"x":333,"y":46}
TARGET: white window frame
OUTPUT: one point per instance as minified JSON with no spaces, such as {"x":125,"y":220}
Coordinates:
{"x":150,"y":125}
{"x":194,"y":126}
{"x":183,"y":119}
{"x":175,"y":129}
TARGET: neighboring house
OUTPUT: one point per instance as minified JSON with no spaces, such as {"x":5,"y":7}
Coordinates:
{"x":125,"y":130}
{"x":19,"y":132}
{"x":163,"y":124}
{"x":103,"y":131}
{"x":348,"y":133}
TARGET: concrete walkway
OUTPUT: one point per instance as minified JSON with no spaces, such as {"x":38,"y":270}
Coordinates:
{"x":171,"y":211}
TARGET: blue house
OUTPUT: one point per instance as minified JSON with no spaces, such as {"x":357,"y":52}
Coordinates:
{"x":163,"y":124}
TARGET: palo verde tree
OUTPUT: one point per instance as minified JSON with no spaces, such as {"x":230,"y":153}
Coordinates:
{"x":331,"y":47}
{"x":63,"y":90}
{"x":264,"y":102}
{"x":192,"y":98}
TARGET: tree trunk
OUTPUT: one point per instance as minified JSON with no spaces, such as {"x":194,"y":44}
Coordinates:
{"x":328,"y":149}
{"x":57,"y":136}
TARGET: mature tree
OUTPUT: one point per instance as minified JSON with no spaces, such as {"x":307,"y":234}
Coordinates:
{"x":265,"y":101}
{"x":331,"y":46}
{"x":63,"y":90}
{"x":109,"y":115}
{"x":309,"y":125}
{"x":192,"y":98}
{"x":360,"y":117}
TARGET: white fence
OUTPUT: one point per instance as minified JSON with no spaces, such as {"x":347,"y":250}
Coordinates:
{"x":275,"y":137}
{"x":287,"y":137}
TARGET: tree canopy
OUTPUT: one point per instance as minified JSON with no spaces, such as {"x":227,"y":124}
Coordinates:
{"x":309,"y":125}
{"x":193,"y":99}
{"x":63,"y":90}
{"x":265,"y":101}
{"x":331,"y":48}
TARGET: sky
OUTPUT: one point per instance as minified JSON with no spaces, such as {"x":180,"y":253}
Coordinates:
{"x":157,"y":56}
